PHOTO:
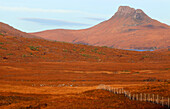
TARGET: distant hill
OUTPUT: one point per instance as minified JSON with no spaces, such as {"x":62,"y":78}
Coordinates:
{"x":129,"y":28}
{"x":7,"y":30}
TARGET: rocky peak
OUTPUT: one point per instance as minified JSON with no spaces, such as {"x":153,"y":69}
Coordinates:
{"x":130,"y":16}
{"x":128,"y":11}
{"x":123,"y":10}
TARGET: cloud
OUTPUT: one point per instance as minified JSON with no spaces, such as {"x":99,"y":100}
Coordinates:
{"x":54,"y":22}
{"x":93,"y":18}
{"x":40,"y":10}
{"x":25,"y":9}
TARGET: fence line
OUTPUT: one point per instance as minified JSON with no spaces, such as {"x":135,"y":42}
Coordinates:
{"x":164,"y":101}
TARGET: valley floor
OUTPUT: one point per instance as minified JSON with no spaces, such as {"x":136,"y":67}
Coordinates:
{"x":73,"y":84}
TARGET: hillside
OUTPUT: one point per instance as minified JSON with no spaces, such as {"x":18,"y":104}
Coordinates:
{"x":129,"y":28}
{"x":21,"y":49}
{"x":7,"y":30}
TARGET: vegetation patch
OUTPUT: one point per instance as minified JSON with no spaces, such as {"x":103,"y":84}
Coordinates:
{"x":94,"y":50}
{"x":2,"y":34}
{"x":125,"y":71}
{"x":82,"y":50}
{"x":1,"y":43}
{"x":74,"y":50}
{"x":101,"y":53}
{"x":167,"y":68}
{"x":3,"y":48}
{"x":137,"y":72}
{"x":96,"y":57}
{"x":105,"y":47}
{"x":65,"y":50}
{"x":34,"y":48}
{"x":65,"y":42}
{"x":24,"y":55}
{"x":86,"y":55}
{"x":145,"y":56}
{"x":10,"y":54}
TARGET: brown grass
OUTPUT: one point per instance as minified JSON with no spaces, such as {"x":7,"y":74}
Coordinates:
{"x":58,"y":76}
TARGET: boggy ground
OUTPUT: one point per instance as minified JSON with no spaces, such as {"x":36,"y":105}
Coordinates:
{"x":35,"y":85}
{"x":36,"y":73}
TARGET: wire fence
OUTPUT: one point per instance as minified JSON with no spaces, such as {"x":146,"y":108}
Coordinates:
{"x":146,"y":97}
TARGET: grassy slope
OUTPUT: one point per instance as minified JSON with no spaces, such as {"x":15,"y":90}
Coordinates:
{"x":19,"y":49}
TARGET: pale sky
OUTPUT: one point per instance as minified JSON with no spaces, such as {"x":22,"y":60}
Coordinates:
{"x":39,"y":15}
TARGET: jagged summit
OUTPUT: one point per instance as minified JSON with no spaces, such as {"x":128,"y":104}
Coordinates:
{"x":130,"y":16}
{"x":125,"y":10}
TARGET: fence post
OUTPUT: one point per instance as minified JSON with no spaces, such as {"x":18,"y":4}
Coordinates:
{"x":137,"y":97}
{"x":157,"y":99}
{"x":140,"y":96}
{"x":129,"y":96}
{"x":149,"y":98}
{"x":162,"y":101}
{"x":168,"y":102}
{"x":153,"y":100}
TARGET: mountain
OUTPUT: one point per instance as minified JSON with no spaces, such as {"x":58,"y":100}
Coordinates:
{"x":129,"y":28}
{"x":7,"y":30}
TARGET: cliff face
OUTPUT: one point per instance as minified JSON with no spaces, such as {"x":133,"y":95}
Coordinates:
{"x":129,"y":28}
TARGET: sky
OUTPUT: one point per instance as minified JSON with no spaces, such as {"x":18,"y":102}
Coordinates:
{"x":39,"y":15}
